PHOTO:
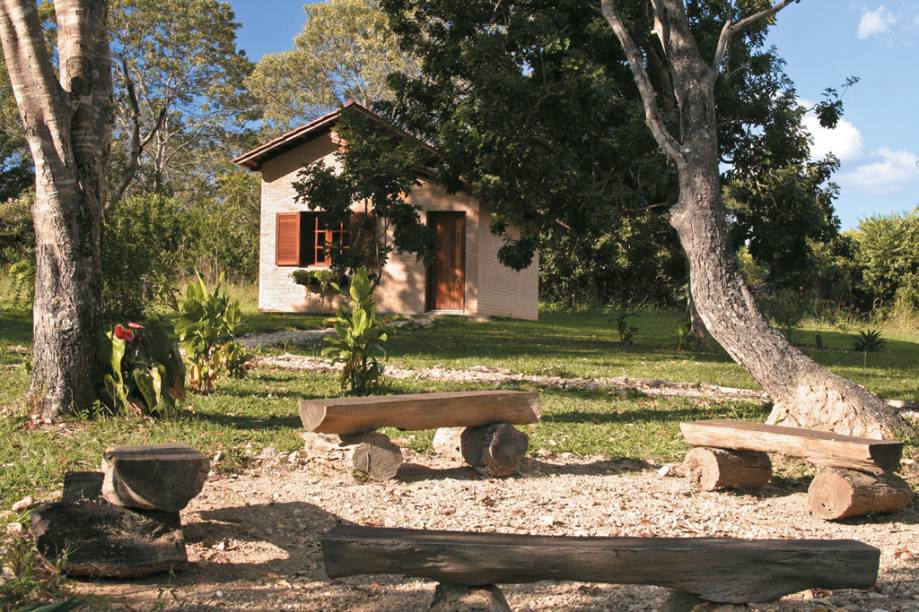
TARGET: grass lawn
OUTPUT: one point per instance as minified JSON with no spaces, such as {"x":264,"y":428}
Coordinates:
{"x":244,"y":416}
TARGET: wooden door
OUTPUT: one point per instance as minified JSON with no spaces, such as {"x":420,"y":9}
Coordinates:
{"x":446,"y":286}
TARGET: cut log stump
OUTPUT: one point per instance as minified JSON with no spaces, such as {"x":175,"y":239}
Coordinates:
{"x":161,"y":477}
{"x":714,"y":468}
{"x":453,"y":598}
{"x":419,"y":411}
{"x":818,"y":447}
{"x":370,"y":455}
{"x":493,"y":450}
{"x":89,"y":536}
{"x":839,"y":494}
{"x":678,"y":601}
{"x":723,"y":570}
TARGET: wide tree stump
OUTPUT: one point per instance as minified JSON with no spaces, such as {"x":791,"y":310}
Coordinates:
{"x":839,"y":494}
{"x":454,"y":598}
{"x":160,"y":477}
{"x":89,"y":536}
{"x":494,"y":450}
{"x":369,"y":455}
{"x":714,"y":468}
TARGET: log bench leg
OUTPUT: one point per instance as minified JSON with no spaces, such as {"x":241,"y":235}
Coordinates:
{"x":681,"y":601}
{"x":454,"y":598}
{"x":370,"y":456}
{"x":839,"y":494}
{"x":493,"y":450}
{"x":715,"y":468}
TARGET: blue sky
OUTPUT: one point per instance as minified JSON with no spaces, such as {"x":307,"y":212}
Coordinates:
{"x":823,"y":42}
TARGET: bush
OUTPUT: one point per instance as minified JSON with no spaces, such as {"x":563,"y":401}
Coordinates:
{"x":320,"y":282}
{"x":357,"y":341}
{"x":143,"y":368}
{"x":207,"y":329}
{"x":145,"y":243}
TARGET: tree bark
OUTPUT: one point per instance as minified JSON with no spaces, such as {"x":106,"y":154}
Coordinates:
{"x":67,"y":122}
{"x":804,"y":393}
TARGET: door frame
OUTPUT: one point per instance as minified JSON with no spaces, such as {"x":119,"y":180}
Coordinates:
{"x":430,"y":287}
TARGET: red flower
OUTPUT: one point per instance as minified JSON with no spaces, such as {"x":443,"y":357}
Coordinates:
{"x":134,"y":325}
{"x":121,"y":332}
{"x":128,"y":335}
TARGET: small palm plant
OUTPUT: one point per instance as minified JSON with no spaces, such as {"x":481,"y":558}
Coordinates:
{"x":868,"y":341}
{"x":359,"y":334}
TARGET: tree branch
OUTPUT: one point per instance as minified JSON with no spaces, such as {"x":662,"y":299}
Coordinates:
{"x":648,"y":97}
{"x":730,"y":29}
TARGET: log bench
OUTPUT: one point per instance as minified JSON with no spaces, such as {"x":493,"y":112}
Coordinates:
{"x":857,"y":478}
{"x":722,"y":570}
{"x":478,"y":425}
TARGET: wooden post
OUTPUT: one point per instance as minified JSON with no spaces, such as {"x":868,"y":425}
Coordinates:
{"x":839,"y":494}
{"x":715,"y":468}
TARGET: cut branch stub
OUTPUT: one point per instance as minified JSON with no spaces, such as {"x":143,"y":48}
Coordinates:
{"x":419,"y":411}
{"x":161,"y":477}
{"x":715,"y":468}
{"x":839,"y":494}
{"x":819,"y":447}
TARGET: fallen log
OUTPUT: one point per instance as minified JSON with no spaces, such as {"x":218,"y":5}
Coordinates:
{"x":370,"y":455}
{"x":839,"y":494}
{"x":88,"y":536}
{"x":715,"y":569}
{"x":419,"y":411}
{"x":819,"y":447}
{"x":160,"y":477}
{"x":711,"y":469}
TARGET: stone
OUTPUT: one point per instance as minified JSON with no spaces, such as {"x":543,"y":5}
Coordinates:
{"x":23,"y":504}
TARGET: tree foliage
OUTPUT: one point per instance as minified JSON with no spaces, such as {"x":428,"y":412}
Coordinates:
{"x":346,"y":50}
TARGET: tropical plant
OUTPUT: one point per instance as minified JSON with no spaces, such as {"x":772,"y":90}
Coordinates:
{"x":144,"y":370}
{"x":868,"y":341}
{"x":359,"y":334}
{"x":685,"y":339}
{"x":207,"y":326}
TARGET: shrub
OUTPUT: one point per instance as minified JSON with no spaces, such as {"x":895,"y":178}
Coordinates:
{"x":868,"y":341}
{"x":207,"y":329}
{"x":359,"y":334}
{"x":143,"y":368}
{"x":626,"y":332}
{"x":319,"y":282}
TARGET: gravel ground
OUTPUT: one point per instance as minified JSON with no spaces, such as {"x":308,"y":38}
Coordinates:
{"x":253,"y":538}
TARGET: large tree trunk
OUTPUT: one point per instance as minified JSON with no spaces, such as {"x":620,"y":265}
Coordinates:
{"x":804,"y":393}
{"x":68,"y":126}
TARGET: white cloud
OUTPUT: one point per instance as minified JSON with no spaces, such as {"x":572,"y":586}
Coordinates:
{"x":875,"y":22}
{"x":844,"y":141}
{"x":891,"y":172}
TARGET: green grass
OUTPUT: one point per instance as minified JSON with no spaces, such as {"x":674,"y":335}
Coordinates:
{"x":244,"y":416}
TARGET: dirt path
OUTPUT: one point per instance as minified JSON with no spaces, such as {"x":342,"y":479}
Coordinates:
{"x":254,"y":537}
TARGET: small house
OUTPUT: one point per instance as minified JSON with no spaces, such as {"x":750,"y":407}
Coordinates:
{"x":464,"y":278}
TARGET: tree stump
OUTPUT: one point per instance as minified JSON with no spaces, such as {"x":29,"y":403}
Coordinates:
{"x":161,"y":477}
{"x":454,"y":598}
{"x":716,"y":468}
{"x":494,"y":450}
{"x":839,"y":494}
{"x":680,"y":601}
{"x":91,"y":537}
{"x":369,"y":455}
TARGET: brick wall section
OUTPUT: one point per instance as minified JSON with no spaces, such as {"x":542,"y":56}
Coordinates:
{"x":402,"y":289}
{"x":504,"y":292}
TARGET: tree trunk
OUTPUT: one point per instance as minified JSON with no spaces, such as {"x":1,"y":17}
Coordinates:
{"x":696,"y":325}
{"x":804,"y":393}
{"x":68,"y":127}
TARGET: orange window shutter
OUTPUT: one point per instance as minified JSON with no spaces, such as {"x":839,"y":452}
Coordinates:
{"x":287,"y":245}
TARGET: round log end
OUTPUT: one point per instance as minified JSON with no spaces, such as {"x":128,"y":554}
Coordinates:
{"x":711,"y":469}
{"x":312,"y":414}
{"x":839,"y":494}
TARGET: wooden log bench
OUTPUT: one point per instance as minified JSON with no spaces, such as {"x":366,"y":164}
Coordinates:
{"x":480,"y":424}
{"x":857,"y":479}
{"x":722,"y":570}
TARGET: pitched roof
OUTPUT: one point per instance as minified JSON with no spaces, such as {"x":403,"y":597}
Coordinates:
{"x":259,"y":155}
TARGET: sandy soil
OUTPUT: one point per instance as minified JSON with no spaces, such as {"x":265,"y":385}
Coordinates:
{"x":253,"y":538}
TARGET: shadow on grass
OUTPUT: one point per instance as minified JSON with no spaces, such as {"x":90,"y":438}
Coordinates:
{"x":248,"y":422}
